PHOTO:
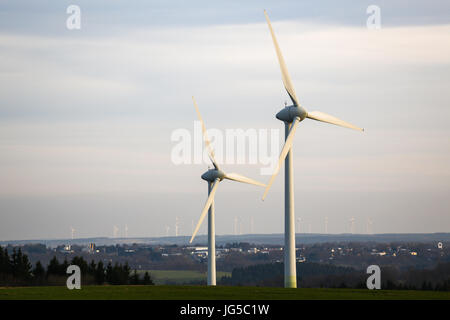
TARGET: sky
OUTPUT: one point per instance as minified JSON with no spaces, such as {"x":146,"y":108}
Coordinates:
{"x":87,"y":115}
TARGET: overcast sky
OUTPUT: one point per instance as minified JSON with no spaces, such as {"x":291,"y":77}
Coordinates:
{"x":86,"y":116}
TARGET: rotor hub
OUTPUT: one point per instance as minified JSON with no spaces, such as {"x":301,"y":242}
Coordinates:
{"x":212,"y":174}
{"x":288,"y":114}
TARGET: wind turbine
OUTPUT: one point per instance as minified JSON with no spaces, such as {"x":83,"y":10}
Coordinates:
{"x":177,"y":225}
{"x":292,"y":116}
{"x":299,"y":223}
{"x":240,"y":226}
{"x":352,"y":225}
{"x":214,"y":177}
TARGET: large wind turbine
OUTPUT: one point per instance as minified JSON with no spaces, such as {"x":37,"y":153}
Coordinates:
{"x":213,"y":177}
{"x":292,"y":115}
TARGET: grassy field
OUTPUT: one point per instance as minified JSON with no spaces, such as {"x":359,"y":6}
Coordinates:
{"x":210,"y":293}
{"x":161,"y":277}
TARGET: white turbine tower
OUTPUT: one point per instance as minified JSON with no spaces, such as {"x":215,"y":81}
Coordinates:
{"x":177,"y":226}
{"x":352,"y":225}
{"x":167,"y":231}
{"x":292,"y":116}
{"x":299,"y":224}
{"x":115,"y":231}
{"x":214,"y":177}
{"x":72,"y":231}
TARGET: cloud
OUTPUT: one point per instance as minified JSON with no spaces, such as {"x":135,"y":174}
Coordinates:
{"x":89,"y":114}
{"x":134,"y":73}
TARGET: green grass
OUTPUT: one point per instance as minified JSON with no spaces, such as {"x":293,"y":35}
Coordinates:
{"x":210,"y":293}
{"x":179,"y":276}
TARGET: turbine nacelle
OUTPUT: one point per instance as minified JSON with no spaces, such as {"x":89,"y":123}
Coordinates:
{"x":212,"y":174}
{"x":288,"y":114}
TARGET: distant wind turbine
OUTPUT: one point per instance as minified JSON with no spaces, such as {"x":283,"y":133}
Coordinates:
{"x":177,"y":225}
{"x":352,"y":225}
{"x":299,"y":224}
{"x":167,"y":231}
{"x":292,"y":116}
{"x":214,"y":177}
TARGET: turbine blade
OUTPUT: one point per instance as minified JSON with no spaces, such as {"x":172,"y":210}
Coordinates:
{"x":205,"y":136}
{"x":208,"y":203}
{"x":323,"y":117}
{"x":287,"y":146}
{"x":284,"y":72}
{"x":237,"y":177}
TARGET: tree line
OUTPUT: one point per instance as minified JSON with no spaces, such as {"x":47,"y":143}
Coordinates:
{"x":16,"y":269}
{"x":320,"y":275}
